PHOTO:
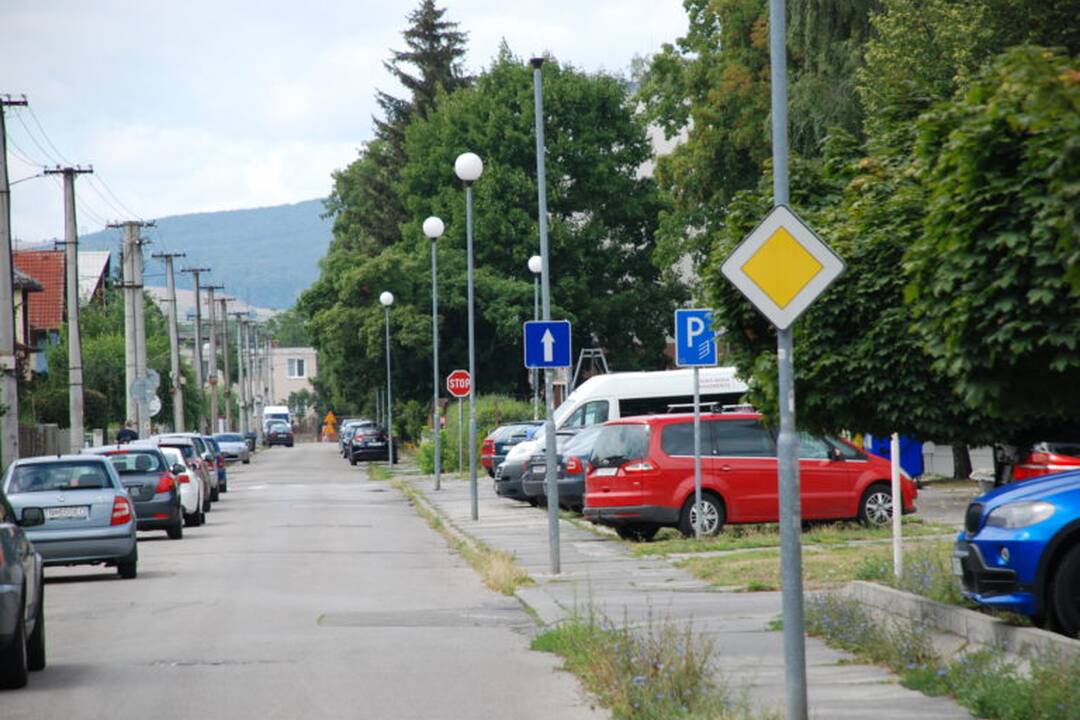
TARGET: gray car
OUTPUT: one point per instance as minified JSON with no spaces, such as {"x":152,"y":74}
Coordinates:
{"x":149,"y":480}
{"x":22,"y":597}
{"x":89,"y":516}
{"x":233,"y":447}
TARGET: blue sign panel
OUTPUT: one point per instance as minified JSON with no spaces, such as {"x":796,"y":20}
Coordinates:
{"x":695,"y":341}
{"x":547,"y":344}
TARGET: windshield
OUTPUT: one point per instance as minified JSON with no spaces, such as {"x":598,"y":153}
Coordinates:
{"x":619,"y":444}
{"x":146,"y":461}
{"x":280,"y":427}
{"x":43,"y":477}
{"x":228,"y":437}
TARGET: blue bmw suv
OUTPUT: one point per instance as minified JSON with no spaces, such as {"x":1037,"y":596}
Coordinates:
{"x":1020,"y":550}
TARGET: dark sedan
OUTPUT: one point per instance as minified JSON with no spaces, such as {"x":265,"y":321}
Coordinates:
{"x":370,"y":442}
{"x":572,"y":461}
{"x":279,"y":433}
{"x":22,"y":597}
{"x":150,"y":483}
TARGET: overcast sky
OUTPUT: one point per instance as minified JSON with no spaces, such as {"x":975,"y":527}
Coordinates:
{"x":212,"y":105}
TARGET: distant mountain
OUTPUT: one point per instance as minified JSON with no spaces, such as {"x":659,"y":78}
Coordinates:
{"x":266,"y":256}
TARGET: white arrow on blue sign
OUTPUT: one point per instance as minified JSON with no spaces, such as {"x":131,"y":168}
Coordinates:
{"x":547,"y":344}
{"x":695,"y":341}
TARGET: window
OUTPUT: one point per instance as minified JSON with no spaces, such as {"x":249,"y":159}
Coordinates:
{"x":297,"y":368}
{"x":812,"y":447}
{"x":617,"y":444}
{"x":846,"y":451}
{"x":45,"y":477}
{"x":137,"y":462}
{"x":589,"y":414}
{"x":678,"y":439}
{"x":742,"y":438}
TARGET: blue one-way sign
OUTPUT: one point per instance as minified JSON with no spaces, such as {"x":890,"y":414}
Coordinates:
{"x":547,"y":344}
{"x":695,"y":341}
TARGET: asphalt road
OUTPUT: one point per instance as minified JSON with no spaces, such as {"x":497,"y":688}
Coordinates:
{"x":312,"y":592}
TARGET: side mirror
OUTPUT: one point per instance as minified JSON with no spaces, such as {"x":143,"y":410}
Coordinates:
{"x":835,"y":455}
{"x":178,"y":469}
{"x":32,"y":517}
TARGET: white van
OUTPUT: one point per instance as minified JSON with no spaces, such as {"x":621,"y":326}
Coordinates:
{"x":276,"y":412}
{"x":615,"y":395}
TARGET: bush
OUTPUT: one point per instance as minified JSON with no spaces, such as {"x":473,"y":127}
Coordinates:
{"x":491,"y":411}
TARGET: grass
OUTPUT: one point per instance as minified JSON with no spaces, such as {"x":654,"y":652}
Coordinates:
{"x":498,"y":570}
{"x":662,"y":671}
{"x":744,"y":537}
{"x":379,"y":472}
{"x":983,"y":680}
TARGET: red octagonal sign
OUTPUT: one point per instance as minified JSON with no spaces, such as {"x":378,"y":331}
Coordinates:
{"x":459,"y":383}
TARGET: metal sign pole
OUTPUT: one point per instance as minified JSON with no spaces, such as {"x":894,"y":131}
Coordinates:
{"x":897,"y":506}
{"x":460,"y":419}
{"x":697,"y":454}
{"x":787,"y":443}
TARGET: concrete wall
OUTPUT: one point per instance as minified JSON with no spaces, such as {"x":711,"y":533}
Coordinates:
{"x":282,"y":368}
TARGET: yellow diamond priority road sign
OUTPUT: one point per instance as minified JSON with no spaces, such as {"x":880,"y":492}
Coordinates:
{"x":782,"y":266}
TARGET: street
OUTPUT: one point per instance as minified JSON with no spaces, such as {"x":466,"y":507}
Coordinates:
{"x":311,"y":592}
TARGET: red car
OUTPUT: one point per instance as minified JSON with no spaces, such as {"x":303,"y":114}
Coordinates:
{"x":641,"y":476}
{"x":1047,"y":458}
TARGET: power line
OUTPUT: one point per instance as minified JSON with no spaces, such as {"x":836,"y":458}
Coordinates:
{"x":119,"y":211}
{"x":44,"y":134}
{"x":128,"y":211}
{"x":33,"y":139}
{"x":21,"y":154}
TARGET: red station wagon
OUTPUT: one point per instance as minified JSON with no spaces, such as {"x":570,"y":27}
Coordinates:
{"x":642,"y":476}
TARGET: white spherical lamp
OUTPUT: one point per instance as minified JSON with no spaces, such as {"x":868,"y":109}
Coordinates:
{"x":536,"y":264}
{"x":468,"y":167}
{"x":434,"y":227}
{"x":387,"y":298}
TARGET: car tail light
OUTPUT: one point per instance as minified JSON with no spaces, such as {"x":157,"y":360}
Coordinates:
{"x":165,"y":483}
{"x":220,"y":462}
{"x":573,"y":465}
{"x":488,"y":447}
{"x":121,"y":511}
{"x":185,"y":478}
{"x":640,"y":466}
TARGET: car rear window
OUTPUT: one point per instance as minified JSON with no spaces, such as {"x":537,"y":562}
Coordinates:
{"x":228,"y":438}
{"x":186,"y":450}
{"x":126,"y":463}
{"x":618,"y":444}
{"x":45,"y":477}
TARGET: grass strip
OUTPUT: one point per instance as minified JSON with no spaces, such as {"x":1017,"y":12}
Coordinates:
{"x":984,"y":681}
{"x":658,"y":672}
{"x":498,"y":569}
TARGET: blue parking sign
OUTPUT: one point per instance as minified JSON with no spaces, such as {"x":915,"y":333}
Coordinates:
{"x":695,"y":341}
{"x":547,"y":344}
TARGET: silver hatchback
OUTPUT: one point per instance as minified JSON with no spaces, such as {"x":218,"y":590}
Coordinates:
{"x":89,"y":516}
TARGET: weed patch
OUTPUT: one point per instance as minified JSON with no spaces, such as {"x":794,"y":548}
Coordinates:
{"x":659,"y":672}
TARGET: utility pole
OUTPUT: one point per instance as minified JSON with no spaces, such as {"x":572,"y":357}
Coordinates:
{"x":256,"y":384}
{"x":9,"y":378}
{"x":71,"y":251}
{"x":138,"y":306}
{"x":241,"y":385}
{"x":195,"y":272}
{"x":212,"y":367}
{"x":268,"y":371}
{"x":134,"y":320}
{"x":174,"y":341}
{"x":225,"y":362}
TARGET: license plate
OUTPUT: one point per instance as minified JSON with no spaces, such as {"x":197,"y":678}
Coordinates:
{"x":958,"y":561}
{"x":605,"y":471}
{"x":539,"y":470}
{"x":77,"y":512}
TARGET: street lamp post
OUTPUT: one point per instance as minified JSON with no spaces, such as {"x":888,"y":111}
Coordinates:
{"x":387,"y":299}
{"x":433,"y":228}
{"x":468,"y":168}
{"x":536,"y":266}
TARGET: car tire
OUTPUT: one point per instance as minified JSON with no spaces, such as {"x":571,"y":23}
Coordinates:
{"x":176,"y":530}
{"x":128,"y":568}
{"x":352,"y":459}
{"x":637,"y":533}
{"x":35,"y":646}
{"x":246,"y":462}
{"x":875,"y":505}
{"x":715,"y":515}
{"x":224,"y":487}
{"x":191,"y":519}
{"x":215,"y":494}
{"x":205,"y":504}
{"x":14,"y":666}
{"x":1065,"y":593}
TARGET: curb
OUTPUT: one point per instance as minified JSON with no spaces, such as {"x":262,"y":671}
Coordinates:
{"x":974,"y":626}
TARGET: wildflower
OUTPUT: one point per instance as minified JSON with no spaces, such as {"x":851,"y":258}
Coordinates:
{"x":639,"y":680}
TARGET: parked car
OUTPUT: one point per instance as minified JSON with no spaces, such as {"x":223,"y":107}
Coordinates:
{"x":150,"y":482}
{"x":22,"y":596}
{"x":252,"y":439}
{"x":508,"y":473}
{"x":1020,"y":550}
{"x":348,"y":428}
{"x":370,"y":441}
{"x":642,"y":476}
{"x":194,"y":492}
{"x":1047,"y":458}
{"x":499,"y":441}
{"x":572,"y":459}
{"x":278,"y":433}
{"x":189,"y":445}
{"x":218,"y":463}
{"x":89,"y":516}
{"x":233,"y":447}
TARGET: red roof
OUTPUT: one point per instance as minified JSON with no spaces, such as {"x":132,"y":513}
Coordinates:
{"x":46,"y":308}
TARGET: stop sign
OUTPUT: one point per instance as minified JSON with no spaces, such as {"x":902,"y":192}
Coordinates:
{"x":459,"y":383}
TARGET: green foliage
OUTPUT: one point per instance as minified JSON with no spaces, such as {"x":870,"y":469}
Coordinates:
{"x":289,"y":329}
{"x":989,"y":276}
{"x":491,"y":412}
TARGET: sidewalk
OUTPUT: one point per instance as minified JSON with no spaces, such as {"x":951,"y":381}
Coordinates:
{"x":600,"y":571}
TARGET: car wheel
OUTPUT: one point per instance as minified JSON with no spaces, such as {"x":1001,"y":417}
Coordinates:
{"x":352,"y":459}
{"x":876,"y":506}
{"x":713,"y":515}
{"x":128,"y":567}
{"x":224,"y":486}
{"x":247,"y":461}
{"x":35,"y":648}
{"x":215,"y":494}
{"x":637,"y":533}
{"x":1065,"y":593}
{"x":176,"y":531}
{"x":190,"y":519}
{"x":13,"y":661}
{"x":206,"y":504}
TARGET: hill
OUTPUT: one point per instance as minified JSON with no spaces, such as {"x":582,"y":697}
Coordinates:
{"x":266,"y":256}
